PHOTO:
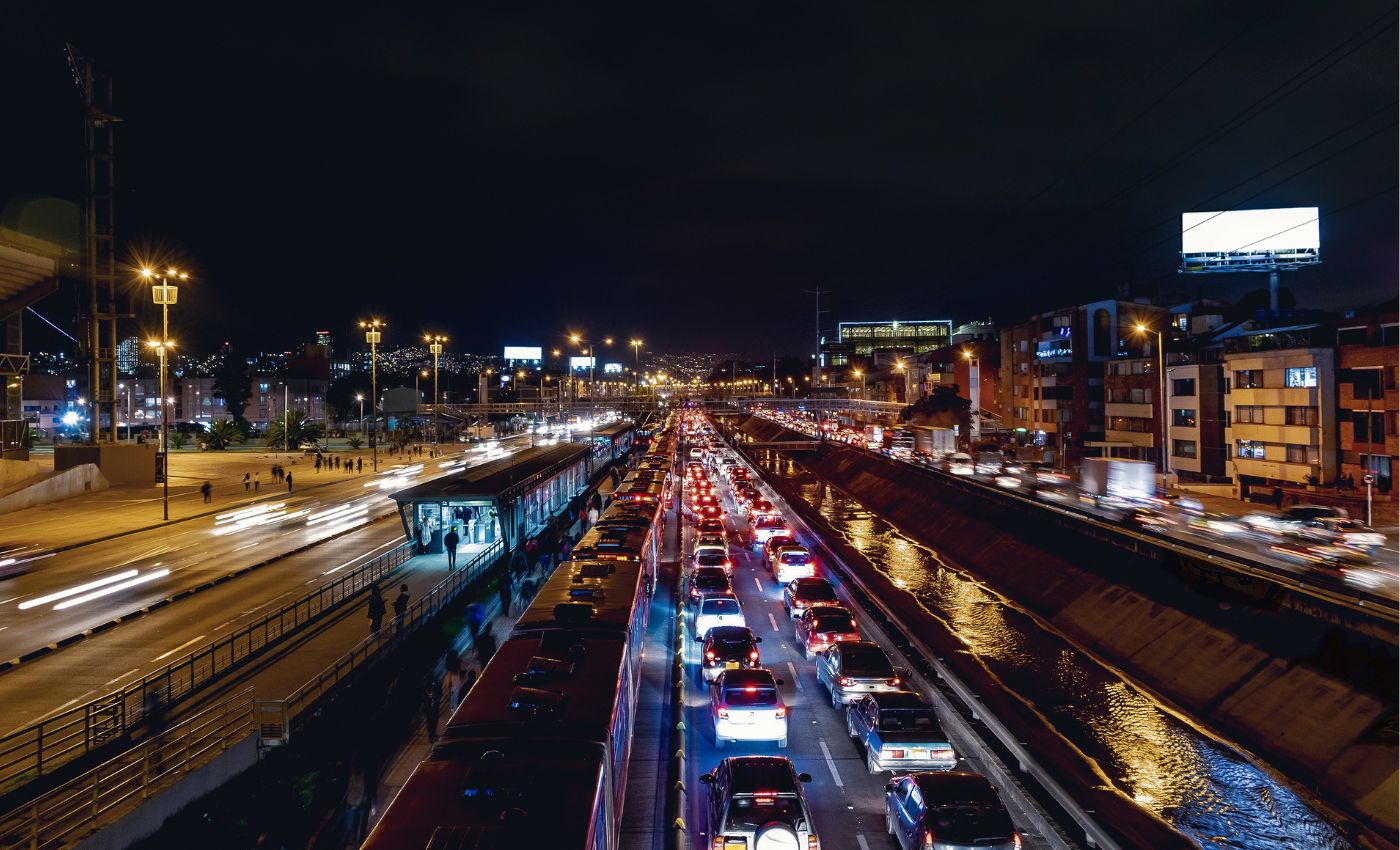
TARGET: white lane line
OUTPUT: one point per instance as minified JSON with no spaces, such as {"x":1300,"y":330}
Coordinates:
{"x":831,"y":763}
{"x":796,"y":680}
{"x":860,"y":839}
{"x":119,"y":678}
{"x":757,"y":584}
{"x":11,"y":599}
{"x":166,"y":655}
{"x":773,"y":621}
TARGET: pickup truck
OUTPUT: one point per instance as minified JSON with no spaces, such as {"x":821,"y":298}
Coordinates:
{"x":899,"y":731}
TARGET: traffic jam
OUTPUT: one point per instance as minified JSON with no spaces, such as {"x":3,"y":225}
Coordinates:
{"x":804,"y":730}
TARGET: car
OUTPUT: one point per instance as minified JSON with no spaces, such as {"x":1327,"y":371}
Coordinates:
{"x":898,"y":731}
{"x":961,"y":463}
{"x":761,"y":506}
{"x":710,"y":525}
{"x":697,"y":453}
{"x":757,"y":802}
{"x":711,"y":539}
{"x":947,"y":810}
{"x":823,"y":625}
{"x":745,"y":705}
{"x":773,"y":544}
{"x":1340,"y":531}
{"x":707,"y":581}
{"x":710,"y":512}
{"x":792,"y":562}
{"x":851,"y":669}
{"x":716,"y":609}
{"x":711,"y":556}
{"x":765,"y":527}
{"x":803,"y":593}
{"x":728,"y":648}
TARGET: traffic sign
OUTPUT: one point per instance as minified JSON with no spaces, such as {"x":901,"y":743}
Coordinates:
{"x":1368,"y":479}
{"x":160,"y":467}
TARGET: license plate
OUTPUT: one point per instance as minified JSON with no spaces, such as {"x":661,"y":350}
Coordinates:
{"x":731,"y":665}
{"x":918,"y":752}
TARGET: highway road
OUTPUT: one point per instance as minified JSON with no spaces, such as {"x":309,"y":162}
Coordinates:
{"x":69,"y":592}
{"x":847,"y":800}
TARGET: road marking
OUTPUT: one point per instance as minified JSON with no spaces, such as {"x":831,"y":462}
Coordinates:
{"x":759,"y":585}
{"x":166,"y":655}
{"x":122,"y":676}
{"x":796,"y":680}
{"x":11,"y":599}
{"x":860,"y":839}
{"x":358,"y":557}
{"x":773,"y":621}
{"x":831,"y":763}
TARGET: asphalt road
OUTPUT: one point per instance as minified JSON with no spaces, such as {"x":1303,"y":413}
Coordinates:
{"x":847,"y":801}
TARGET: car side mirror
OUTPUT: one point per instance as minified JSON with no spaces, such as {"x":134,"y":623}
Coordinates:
{"x":707,"y":778}
{"x":758,"y":639}
{"x":804,"y":777}
{"x":779,"y":682}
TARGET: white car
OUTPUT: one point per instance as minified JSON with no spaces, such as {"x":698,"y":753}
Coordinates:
{"x":793,"y":562}
{"x":961,"y":463}
{"x":718,"y":610}
{"x":745,"y":706}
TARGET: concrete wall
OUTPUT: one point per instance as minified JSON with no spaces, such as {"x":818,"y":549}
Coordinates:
{"x":143,"y":821}
{"x":13,"y":472}
{"x":126,"y":463}
{"x":74,"y":481}
{"x":1313,"y":699}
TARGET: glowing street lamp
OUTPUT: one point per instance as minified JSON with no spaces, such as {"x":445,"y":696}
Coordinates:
{"x":1142,"y":330}
{"x":435,"y":342}
{"x":373,"y":335}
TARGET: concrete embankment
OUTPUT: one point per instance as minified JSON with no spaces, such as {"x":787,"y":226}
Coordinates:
{"x":1313,"y":699}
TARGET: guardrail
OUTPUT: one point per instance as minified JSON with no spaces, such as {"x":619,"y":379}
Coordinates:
{"x":427,"y":607}
{"x":37,"y":750}
{"x":70,"y":813}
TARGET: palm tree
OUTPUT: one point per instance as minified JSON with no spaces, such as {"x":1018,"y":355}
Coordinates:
{"x":298,"y":429}
{"x":223,"y":434}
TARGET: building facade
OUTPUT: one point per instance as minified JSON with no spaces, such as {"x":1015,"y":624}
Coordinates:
{"x":1368,"y":356}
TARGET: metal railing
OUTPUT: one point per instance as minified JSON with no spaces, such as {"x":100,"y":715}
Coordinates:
{"x":32,"y":752}
{"x":66,"y":815}
{"x":394,"y":631}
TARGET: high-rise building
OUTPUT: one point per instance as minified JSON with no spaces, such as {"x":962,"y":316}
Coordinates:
{"x":128,"y":355}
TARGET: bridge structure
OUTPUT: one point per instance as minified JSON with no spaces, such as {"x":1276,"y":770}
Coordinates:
{"x":641,"y":404}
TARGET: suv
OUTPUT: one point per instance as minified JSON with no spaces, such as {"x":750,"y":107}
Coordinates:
{"x":793,"y":562}
{"x":765,"y":527}
{"x":757,"y":799}
{"x":852,"y":669}
{"x":728,"y":648}
{"x":745,"y":706}
{"x":944,"y":811}
{"x":775,"y":543}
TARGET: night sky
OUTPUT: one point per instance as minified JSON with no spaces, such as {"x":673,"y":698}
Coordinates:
{"x":507,"y":172}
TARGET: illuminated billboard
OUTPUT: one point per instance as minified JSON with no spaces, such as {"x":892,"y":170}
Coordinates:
{"x":580,"y":362}
{"x":1249,"y":240}
{"x":524,"y":352}
{"x":612,"y":368}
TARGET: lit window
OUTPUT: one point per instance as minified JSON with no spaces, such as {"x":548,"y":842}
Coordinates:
{"x":1304,"y":376}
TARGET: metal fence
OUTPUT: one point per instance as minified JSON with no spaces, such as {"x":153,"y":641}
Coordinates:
{"x":427,"y":607}
{"x":40,"y":749}
{"x":68,"y":814}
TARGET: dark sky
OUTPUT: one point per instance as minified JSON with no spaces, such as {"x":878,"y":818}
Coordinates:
{"x":505,"y":172}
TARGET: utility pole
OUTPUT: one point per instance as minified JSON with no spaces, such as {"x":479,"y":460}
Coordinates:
{"x":373,"y":336}
{"x":817,"y":333}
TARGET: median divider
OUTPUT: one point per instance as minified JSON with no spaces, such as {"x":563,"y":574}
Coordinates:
{"x":42,"y":748}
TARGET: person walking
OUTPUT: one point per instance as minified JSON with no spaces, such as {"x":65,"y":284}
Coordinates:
{"x":356,"y":809}
{"x":592,"y":515}
{"x":289,"y":482}
{"x":1278,"y":498}
{"x":400,"y":606}
{"x":257,"y":481}
{"x":247,"y":481}
{"x":208,"y":490}
{"x":449,"y":542}
{"x":507,"y":592}
{"x":359,"y":464}
{"x":453,"y":663}
{"x":377,"y":610}
{"x":432,"y":704}
{"x":318,"y":463}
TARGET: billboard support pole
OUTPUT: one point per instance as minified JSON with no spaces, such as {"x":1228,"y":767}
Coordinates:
{"x":1273,"y":294}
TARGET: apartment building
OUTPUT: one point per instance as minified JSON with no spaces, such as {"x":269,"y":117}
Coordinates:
{"x":1281,"y":425}
{"x":1132,"y":398}
{"x":1196,"y":401}
{"x":1368,"y":355}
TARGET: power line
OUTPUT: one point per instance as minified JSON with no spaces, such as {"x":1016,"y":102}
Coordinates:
{"x":51,"y":324}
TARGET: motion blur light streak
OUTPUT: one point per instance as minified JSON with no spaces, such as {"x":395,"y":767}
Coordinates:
{"x":106,"y":591}
{"x":82,"y":588}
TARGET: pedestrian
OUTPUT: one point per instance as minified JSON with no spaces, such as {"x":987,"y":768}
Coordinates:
{"x":476,"y":616}
{"x":154,"y":716}
{"x":289,"y":482}
{"x":247,"y":481}
{"x":449,"y":542}
{"x":432,"y":704}
{"x":356,"y":805}
{"x":453,"y":663}
{"x":376,"y":610}
{"x":400,"y":606}
{"x":485,"y":645}
{"x":1278,"y":498}
{"x":208,"y":490}
{"x":359,"y":464}
{"x":506,"y":591}
{"x":318,"y":463}
{"x":592,"y":516}
{"x":257,"y":481}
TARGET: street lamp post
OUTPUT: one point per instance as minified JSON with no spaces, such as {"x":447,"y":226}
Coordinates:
{"x":859,"y":374}
{"x":592,"y":390}
{"x":161,"y":347}
{"x":164,"y":295}
{"x":361,"y":399}
{"x":637,"y":360}
{"x":372,"y":336}
{"x":435,"y":342}
{"x":974,"y":393}
{"x":1162,"y":405}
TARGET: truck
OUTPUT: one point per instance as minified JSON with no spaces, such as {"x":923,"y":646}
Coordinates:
{"x":1117,"y":478}
{"x":936,"y":443}
{"x":899,"y":444}
{"x":874,"y":437}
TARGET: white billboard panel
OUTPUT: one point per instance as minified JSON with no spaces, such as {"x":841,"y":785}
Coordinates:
{"x":1250,"y":231}
{"x":580,"y":362}
{"x":524,"y":352}
{"x":612,"y":368}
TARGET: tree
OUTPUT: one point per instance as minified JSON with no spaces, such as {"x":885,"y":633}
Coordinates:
{"x":223,"y":434}
{"x":298,"y":429}
{"x":354,"y":441}
{"x":178,"y":439}
{"x":942,"y":408}
{"x":234,"y":385}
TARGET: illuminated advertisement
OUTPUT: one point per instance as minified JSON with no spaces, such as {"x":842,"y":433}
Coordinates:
{"x":1249,"y":240}
{"x":523,"y":352}
{"x":581,"y":362}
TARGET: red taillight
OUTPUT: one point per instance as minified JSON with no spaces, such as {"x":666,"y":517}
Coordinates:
{"x":812,"y":843}
{"x":928,"y":839}
{"x":1015,"y":839}
{"x":847,"y":682}
{"x":710,"y":654}
{"x":753,"y":656}
{"x":722,"y":712}
{"x":780,"y":712}
{"x":894,"y":681}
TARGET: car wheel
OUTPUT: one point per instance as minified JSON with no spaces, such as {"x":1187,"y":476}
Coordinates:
{"x":774,"y":835}
{"x":850,"y":727}
{"x":835,"y":699}
{"x":889,"y":821}
{"x":801,"y":648}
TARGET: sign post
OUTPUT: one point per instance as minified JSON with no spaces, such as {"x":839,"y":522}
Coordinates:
{"x":160,"y":467}
{"x":1368,"y":479}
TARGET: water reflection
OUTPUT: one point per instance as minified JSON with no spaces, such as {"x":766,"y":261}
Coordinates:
{"x":1206,"y":789}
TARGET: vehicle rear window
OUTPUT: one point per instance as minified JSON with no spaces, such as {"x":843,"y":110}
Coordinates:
{"x":707,"y":581}
{"x":969,"y":824}
{"x":770,"y":522}
{"x":710,"y":559}
{"x":863,"y":660}
{"x":719,"y":606}
{"x":751,"y":696}
{"x":732,"y":646}
{"x":901,"y":719}
{"x":749,"y":813}
{"x":797,"y":558}
{"x":833,"y":622}
{"x":817,"y":592}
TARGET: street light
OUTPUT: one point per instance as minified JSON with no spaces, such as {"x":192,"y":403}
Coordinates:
{"x":360,"y":397}
{"x":859,"y":374}
{"x":161,"y":346}
{"x":373,"y":336}
{"x":592,"y":390}
{"x":1162,"y":405}
{"x":163,"y":295}
{"x":637,"y":359}
{"x":435,"y":342}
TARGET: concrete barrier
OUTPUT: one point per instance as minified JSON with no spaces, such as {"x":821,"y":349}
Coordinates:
{"x":74,"y":481}
{"x":1314,"y":700}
